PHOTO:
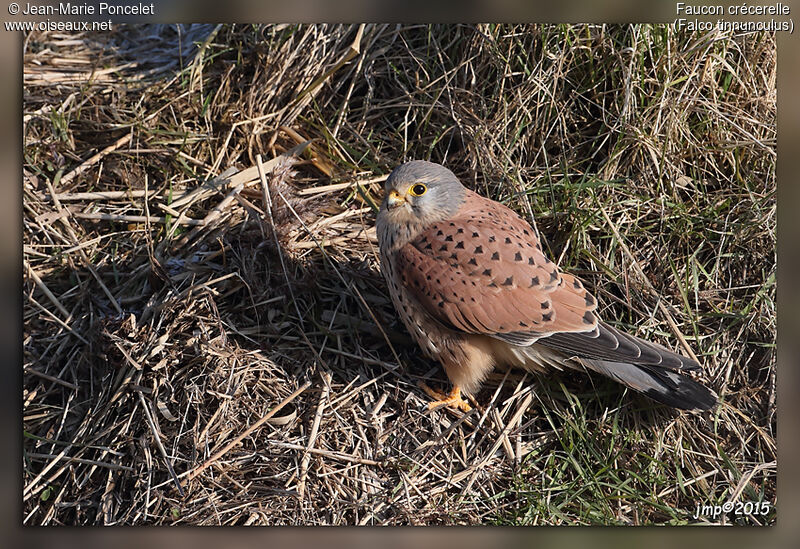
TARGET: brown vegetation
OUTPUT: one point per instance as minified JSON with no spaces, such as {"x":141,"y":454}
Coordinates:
{"x":202,"y":348}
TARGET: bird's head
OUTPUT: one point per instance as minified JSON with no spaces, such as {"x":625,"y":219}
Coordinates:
{"x":420,"y":193}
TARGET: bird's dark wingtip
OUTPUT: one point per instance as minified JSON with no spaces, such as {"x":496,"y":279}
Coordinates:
{"x":684,"y":394}
{"x":665,"y":386}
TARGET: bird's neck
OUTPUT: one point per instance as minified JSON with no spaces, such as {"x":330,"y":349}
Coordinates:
{"x":394,"y":236}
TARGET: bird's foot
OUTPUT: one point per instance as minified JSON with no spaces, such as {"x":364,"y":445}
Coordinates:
{"x":453,"y":399}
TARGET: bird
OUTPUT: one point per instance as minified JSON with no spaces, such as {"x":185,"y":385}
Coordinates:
{"x":469,"y":279}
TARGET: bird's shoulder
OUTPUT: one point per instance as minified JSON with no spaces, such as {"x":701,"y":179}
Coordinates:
{"x":485,"y":232}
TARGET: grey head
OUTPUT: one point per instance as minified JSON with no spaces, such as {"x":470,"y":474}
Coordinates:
{"x":420,"y":193}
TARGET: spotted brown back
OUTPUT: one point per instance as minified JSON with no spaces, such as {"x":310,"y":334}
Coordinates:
{"x":484,"y":272}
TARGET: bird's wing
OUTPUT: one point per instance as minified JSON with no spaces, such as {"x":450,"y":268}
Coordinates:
{"x":484,"y":272}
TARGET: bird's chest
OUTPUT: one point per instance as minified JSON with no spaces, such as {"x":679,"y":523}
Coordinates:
{"x":426,"y":332}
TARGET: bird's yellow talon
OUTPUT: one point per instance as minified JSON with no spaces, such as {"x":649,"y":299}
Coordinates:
{"x":453,"y":399}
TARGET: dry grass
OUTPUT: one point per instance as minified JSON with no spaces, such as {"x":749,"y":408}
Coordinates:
{"x":203,"y":349}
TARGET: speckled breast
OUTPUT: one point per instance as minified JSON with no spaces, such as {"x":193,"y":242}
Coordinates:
{"x":422,"y":328}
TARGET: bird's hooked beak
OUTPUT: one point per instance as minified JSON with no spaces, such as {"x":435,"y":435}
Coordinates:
{"x":395,"y":199}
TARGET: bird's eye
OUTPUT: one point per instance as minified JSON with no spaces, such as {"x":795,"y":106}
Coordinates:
{"x":418,"y":189}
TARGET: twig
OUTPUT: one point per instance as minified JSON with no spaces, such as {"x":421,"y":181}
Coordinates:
{"x":46,"y":291}
{"x":219,"y":183}
{"x":54,"y":379}
{"x":224,"y":450}
{"x":93,"y":159}
{"x":328,"y":242}
{"x":339,"y":186}
{"x":83,"y":461}
{"x":312,"y":437}
{"x":28,"y":490}
{"x":160,"y":446}
{"x":327,"y":453}
{"x":124,"y":218}
{"x":104,"y":195}
{"x":338,"y":217}
{"x":210,"y":218}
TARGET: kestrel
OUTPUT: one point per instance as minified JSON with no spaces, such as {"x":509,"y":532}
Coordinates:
{"x":473,"y":287}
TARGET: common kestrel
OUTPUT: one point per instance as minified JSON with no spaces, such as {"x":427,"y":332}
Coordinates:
{"x":473,"y":287}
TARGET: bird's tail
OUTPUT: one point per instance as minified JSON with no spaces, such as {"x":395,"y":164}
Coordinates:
{"x":665,"y":386}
